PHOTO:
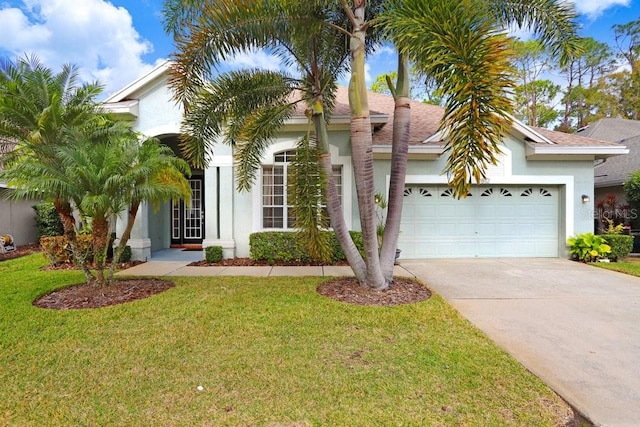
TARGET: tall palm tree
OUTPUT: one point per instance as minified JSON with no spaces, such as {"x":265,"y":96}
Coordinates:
{"x":247,"y":108}
{"x":460,"y":44}
{"x":38,"y":109}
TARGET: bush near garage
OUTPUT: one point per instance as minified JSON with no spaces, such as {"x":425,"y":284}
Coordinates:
{"x":587,"y":247}
{"x":621,"y":245}
{"x":286,"y":246}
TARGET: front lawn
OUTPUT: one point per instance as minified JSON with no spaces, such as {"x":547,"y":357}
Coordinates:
{"x":266,"y":351}
{"x":628,"y":265}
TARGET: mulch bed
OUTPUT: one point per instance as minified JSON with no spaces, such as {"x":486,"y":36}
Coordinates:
{"x":345,"y":289}
{"x":93,"y":296}
{"x":403,"y":290}
{"x":21,"y":251}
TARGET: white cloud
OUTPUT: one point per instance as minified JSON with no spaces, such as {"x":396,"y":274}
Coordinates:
{"x":254,"y":59}
{"x":93,"y":34}
{"x":594,"y":8}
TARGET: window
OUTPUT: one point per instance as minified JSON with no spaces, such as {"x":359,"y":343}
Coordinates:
{"x":276,"y":212}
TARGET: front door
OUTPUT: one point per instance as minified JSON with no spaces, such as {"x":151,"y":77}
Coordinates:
{"x":187,"y":220}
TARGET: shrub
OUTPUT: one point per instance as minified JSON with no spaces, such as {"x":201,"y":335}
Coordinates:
{"x":125,"y":256}
{"x":47,"y":220}
{"x":213,"y":253}
{"x":621,"y":245}
{"x":58,"y":251}
{"x":286,"y":246}
{"x":588,"y":247}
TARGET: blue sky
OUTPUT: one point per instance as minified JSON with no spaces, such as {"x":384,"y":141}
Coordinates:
{"x":117,"y":41}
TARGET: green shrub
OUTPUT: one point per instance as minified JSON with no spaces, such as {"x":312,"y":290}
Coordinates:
{"x":621,"y":245}
{"x":213,"y":253}
{"x":125,"y":256}
{"x":47,"y":220}
{"x":588,"y":247}
{"x":286,"y":246}
{"x":57,"y":249}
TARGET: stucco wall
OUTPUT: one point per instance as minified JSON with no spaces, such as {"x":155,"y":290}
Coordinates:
{"x":18,"y":219}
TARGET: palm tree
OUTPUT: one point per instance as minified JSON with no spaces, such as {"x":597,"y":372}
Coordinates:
{"x":38,"y":110}
{"x":154,"y":174}
{"x":309,"y":37}
{"x":459,"y":44}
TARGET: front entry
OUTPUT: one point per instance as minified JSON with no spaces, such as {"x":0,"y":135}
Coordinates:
{"x":187,"y":220}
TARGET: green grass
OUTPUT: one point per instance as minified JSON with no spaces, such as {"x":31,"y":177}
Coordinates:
{"x":628,"y":266}
{"x":268,"y":352}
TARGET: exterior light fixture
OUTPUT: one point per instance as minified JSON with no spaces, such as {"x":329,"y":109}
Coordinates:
{"x":585,"y":198}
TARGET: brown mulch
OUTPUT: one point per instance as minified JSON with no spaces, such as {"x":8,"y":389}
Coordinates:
{"x":403,"y":290}
{"x":23,"y":250}
{"x":93,"y":296}
{"x":344,"y":289}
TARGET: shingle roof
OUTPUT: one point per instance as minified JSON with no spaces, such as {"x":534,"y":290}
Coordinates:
{"x":425,"y":120}
{"x":616,"y":170}
{"x":612,"y":129}
{"x":573,"y":140}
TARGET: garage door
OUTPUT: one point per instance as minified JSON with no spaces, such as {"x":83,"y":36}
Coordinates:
{"x":493,"y":221}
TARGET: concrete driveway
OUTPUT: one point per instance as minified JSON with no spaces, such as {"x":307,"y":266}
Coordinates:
{"x":575,"y":326}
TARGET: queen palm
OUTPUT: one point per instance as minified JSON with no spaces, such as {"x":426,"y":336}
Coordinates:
{"x":460,"y":44}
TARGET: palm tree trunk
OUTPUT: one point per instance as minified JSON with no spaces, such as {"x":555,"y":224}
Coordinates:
{"x":333,"y":201}
{"x":100,"y":241}
{"x":399,"y":158}
{"x":126,"y":234}
{"x":361,"y":149}
{"x":69,"y":226}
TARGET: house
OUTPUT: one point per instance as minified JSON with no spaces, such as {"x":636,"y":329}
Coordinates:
{"x":610,"y":174}
{"x":539,"y":193}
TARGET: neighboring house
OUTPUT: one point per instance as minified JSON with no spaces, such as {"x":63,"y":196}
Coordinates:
{"x":529,"y":204}
{"x":16,"y":218}
{"x":611,"y":174}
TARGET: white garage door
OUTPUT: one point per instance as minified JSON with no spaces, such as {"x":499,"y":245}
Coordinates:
{"x":493,"y":221}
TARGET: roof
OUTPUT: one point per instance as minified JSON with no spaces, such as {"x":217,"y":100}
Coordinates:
{"x":425,"y":122}
{"x":612,"y":129}
{"x":616,"y":170}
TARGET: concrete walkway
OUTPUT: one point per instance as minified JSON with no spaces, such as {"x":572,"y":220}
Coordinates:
{"x":575,"y":326}
{"x":180,"y":268}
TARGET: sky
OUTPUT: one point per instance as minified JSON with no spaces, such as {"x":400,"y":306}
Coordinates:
{"x":118,"y":41}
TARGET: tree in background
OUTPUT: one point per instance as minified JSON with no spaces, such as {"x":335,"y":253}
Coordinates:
{"x":530,"y":61}
{"x":584,"y":98}
{"x":535,"y":101}
{"x":422,"y":88}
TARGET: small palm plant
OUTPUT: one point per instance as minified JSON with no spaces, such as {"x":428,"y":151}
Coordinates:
{"x":587,"y":247}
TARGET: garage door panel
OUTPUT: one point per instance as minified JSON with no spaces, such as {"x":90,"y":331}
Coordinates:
{"x":494,"y":221}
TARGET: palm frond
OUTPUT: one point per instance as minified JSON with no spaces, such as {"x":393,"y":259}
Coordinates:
{"x":306,"y":183}
{"x":464,"y":51}
{"x":253,"y":106}
{"x":554,"y":21}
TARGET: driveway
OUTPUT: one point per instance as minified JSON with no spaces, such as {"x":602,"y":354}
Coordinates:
{"x":575,"y":326}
